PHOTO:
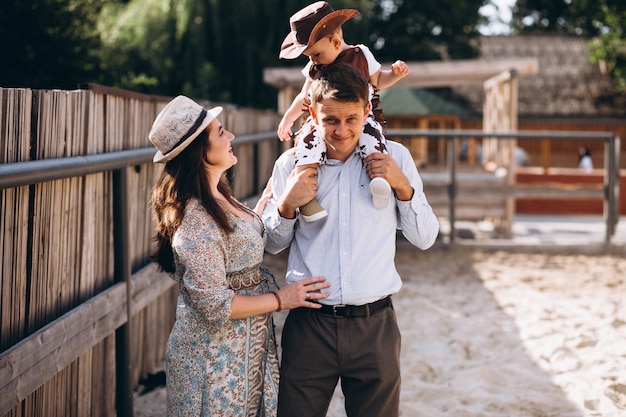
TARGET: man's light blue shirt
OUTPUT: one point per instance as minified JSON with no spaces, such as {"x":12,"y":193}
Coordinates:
{"x":354,"y":247}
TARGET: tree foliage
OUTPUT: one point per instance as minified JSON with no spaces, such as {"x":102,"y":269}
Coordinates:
{"x":422,"y":30}
{"x":208,"y":49}
{"x":609,"y":48}
{"x":48,"y":43}
{"x":564,"y":16}
{"x":219,"y":48}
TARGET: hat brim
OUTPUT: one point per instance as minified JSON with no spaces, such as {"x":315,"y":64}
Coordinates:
{"x":329,"y":23}
{"x":211,"y":115}
{"x":291,"y":49}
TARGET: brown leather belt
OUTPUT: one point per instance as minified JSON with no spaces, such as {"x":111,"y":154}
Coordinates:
{"x":364,"y":310}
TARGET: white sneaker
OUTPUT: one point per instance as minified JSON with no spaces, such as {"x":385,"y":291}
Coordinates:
{"x":381,"y":191}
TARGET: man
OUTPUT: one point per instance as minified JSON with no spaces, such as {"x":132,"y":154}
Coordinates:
{"x":354,"y":336}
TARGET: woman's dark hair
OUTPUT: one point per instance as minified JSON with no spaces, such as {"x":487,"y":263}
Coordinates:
{"x":183,"y":178}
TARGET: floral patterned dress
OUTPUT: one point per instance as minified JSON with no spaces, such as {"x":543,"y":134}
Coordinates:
{"x":216,"y":366}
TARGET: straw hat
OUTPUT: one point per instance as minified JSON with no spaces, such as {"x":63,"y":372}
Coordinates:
{"x":177,"y":125}
{"x":311,"y":24}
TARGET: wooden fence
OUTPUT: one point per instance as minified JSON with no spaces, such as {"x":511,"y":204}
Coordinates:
{"x":62,"y":300}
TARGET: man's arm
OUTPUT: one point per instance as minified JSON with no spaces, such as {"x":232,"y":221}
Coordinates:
{"x":291,"y":188}
{"x":417,"y":220}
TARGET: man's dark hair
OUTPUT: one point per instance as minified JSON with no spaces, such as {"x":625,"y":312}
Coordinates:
{"x":340,"y":82}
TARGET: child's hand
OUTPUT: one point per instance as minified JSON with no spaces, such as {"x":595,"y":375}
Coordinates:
{"x":400,"y":69}
{"x":284,"y":130}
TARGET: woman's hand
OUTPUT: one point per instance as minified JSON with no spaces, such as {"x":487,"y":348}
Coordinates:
{"x":304,"y":293}
{"x":259,"y":208}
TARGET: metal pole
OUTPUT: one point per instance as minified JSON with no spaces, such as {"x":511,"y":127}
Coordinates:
{"x":611,"y":186}
{"x":452,"y":186}
{"x":123,"y":366}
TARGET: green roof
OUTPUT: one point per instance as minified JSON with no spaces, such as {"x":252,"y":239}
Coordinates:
{"x":417,"y":102}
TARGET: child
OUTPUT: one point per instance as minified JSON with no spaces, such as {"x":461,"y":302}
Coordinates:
{"x":316,"y":32}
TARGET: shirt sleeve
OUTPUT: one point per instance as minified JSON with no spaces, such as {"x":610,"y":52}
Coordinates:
{"x":415,"y":217}
{"x":200,"y":249}
{"x":306,"y":71}
{"x":372,"y":63}
{"x":279,"y":230}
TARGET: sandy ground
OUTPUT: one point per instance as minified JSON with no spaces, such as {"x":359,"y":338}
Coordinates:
{"x":489,"y":333}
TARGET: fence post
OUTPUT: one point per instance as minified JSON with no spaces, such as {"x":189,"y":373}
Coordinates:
{"x":452,"y":186}
{"x":123,"y":383}
{"x":611,"y":186}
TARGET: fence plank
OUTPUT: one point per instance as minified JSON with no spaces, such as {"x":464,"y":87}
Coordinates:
{"x":40,"y":356}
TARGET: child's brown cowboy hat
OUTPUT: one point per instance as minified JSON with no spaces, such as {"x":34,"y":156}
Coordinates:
{"x":311,"y":24}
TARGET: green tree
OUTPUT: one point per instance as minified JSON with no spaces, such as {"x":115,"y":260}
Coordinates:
{"x":609,"y":48}
{"x":213,"y":49}
{"x":217,"y":49}
{"x":422,"y":30}
{"x":48,"y":43}
{"x":578,"y":17}
{"x":142,"y":44}
{"x":210,"y":49}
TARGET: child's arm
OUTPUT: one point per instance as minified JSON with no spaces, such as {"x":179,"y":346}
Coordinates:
{"x":386,"y":78}
{"x":293,"y":112}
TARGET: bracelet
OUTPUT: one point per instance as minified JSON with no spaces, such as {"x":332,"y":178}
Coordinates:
{"x":280,"y":302}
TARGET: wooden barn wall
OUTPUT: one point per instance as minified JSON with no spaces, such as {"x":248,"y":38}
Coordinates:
{"x":564,"y":153}
{"x":57,"y":241}
{"x":561,"y":156}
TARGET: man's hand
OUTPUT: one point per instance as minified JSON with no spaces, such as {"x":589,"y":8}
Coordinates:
{"x":383,"y":165}
{"x":300,"y":188}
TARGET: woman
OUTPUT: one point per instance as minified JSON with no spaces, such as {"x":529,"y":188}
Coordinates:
{"x":221,"y":354}
{"x":584,"y":159}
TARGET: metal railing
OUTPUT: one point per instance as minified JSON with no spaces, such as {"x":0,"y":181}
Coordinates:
{"x":612,"y":151}
{"x":30,"y":172}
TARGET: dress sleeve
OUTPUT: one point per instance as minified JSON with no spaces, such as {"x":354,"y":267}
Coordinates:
{"x":200,"y":249}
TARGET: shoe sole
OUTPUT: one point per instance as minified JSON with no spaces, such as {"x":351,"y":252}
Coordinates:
{"x":381,"y":191}
{"x":314,"y":217}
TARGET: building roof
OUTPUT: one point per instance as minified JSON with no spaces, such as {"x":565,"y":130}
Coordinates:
{"x":566,"y":85}
{"x":417,"y":102}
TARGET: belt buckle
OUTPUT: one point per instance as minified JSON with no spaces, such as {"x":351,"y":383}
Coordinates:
{"x":335,"y":307}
